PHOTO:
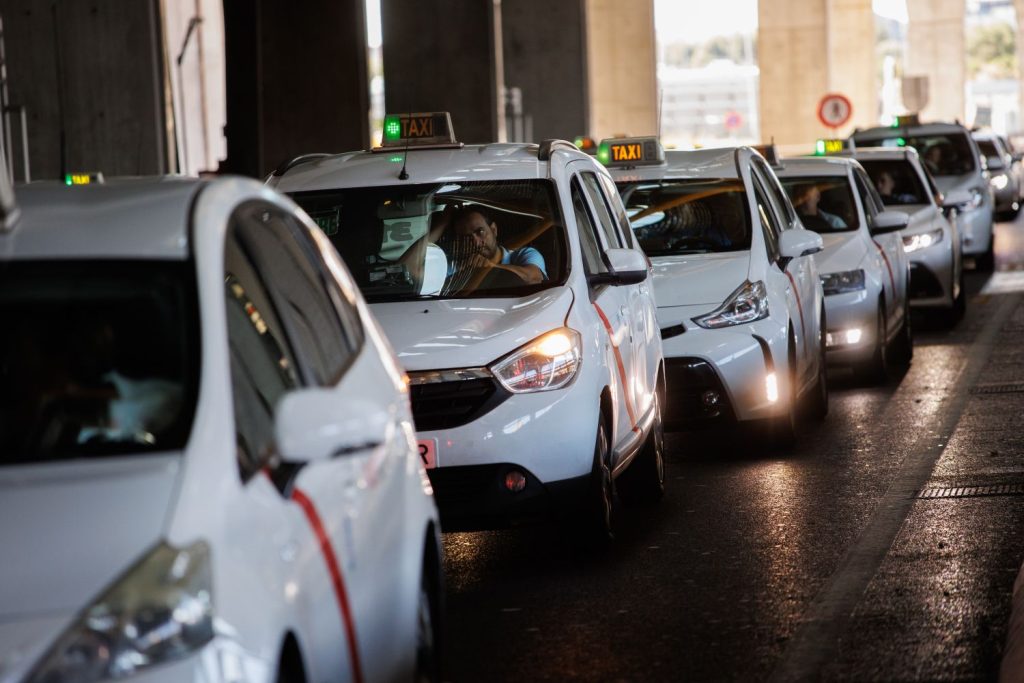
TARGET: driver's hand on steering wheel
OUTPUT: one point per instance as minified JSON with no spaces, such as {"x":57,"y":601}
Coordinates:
{"x":480,"y":261}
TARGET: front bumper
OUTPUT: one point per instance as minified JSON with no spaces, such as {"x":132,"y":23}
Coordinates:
{"x":851,"y":311}
{"x":931,"y":275}
{"x":976,"y":229}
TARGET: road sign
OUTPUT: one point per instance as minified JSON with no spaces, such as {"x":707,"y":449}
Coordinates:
{"x":834,"y":110}
{"x":733,"y":120}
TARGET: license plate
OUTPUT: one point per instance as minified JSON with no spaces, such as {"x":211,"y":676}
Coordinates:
{"x":428,"y":452}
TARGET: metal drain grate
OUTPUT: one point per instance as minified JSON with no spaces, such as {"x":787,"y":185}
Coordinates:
{"x":1011,"y":388}
{"x":973,"y":491}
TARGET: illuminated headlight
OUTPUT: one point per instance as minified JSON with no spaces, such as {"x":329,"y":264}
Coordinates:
{"x":548,"y":362}
{"x":844,"y":337}
{"x":747,"y":304}
{"x":840,"y":283}
{"x":923,"y":240}
{"x":1000,"y":182}
{"x":159,"y":611}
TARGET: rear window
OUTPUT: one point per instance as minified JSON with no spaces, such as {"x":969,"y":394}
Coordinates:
{"x":673,"y":217}
{"x":96,"y":359}
{"x":823,"y":203}
{"x":943,"y":154}
{"x":896,"y":180}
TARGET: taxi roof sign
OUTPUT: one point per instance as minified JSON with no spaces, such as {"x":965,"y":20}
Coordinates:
{"x":425,"y":129}
{"x":82,"y":178}
{"x":628,"y":152}
{"x":904,"y":120}
{"x":586,"y":144}
{"x":829,"y":146}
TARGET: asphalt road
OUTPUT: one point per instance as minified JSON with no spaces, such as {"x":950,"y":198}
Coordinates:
{"x":883,"y":547}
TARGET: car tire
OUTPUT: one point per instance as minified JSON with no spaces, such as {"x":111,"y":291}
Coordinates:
{"x":955,"y":313}
{"x":876,"y":369}
{"x":902,"y":350}
{"x":817,"y":403}
{"x":428,"y":620}
{"x":986,"y":262}
{"x":644,"y":480}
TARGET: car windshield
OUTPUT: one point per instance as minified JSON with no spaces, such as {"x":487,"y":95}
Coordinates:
{"x":702,"y":216}
{"x":445,"y":240}
{"x":943,"y":154}
{"x":991,"y":153}
{"x":824,"y":203}
{"x":96,"y":359}
{"x":896,"y":181}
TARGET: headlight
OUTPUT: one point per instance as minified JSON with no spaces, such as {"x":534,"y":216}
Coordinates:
{"x":745,"y":305}
{"x":548,"y":362}
{"x":846,"y":281}
{"x":1000,"y":182}
{"x":160,"y":610}
{"x":921,"y":240}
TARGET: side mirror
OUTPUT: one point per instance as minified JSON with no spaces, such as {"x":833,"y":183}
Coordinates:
{"x":1017,"y":156}
{"x":799,"y":242}
{"x":628,"y":265}
{"x":889,"y":221}
{"x":996,"y":164}
{"x":956,"y":198}
{"x":312,"y":424}
{"x":435,"y":270}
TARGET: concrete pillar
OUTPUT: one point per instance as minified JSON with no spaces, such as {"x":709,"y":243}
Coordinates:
{"x":95,"y":70}
{"x":1018,"y":5}
{"x":936,"y":48}
{"x":807,"y":49}
{"x":545,"y":51}
{"x":444,"y":55}
{"x":296,"y":80}
{"x":622,"y":67}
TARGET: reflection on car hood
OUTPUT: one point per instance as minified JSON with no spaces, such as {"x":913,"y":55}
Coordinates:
{"x":843,"y":251}
{"x":921,"y":216}
{"x":70,"y":528}
{"x":698,"y":278}
{"x":461,"y":333}
{"x":949,"y":183}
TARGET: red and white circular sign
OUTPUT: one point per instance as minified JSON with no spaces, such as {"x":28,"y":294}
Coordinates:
{"x":834,"y":110}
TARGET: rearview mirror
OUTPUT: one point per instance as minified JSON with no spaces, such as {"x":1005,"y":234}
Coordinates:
{"x":629,"y":266}
{"x":799,"y":242}
{"x":889,"y":221}
{"x":313,"y":424}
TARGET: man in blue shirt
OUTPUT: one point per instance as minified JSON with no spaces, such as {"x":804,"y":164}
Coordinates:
{"x":526,"y":263}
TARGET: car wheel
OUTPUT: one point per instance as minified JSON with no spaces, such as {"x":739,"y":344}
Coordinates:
{"x":598,"y":516}
{"x":782,"y":429}
{"x":875,"y":369}
{"x":955,"y":313}
{"x":428,"y":616}
{"x":817,"y":407}
{"x":644,"y":480}
{"x":903,"y":345}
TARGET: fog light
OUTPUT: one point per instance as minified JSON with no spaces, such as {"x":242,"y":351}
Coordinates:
{"x":853,"y":336}
{"x":515,"y":481}
{"x":771,"y":387}
{"x":710,"y":398}
{"x":844,"y":337}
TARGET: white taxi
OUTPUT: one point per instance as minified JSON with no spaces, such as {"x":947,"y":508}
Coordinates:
{"x":951,"y":156}
{"x":931,"y":241}
{"x":207,"y":459}
{"x":510,"y":285}
{"x":865,"y":274}
{"x":740,"y":304}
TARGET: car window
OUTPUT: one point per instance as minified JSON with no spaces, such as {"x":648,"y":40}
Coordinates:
{"x":991,"y":152}
{"x":592,"y":259}
{"x":769,"y":221}
{"x":445,"y":240}
{"x":618,"y":209}
{"x":896,"y":181}
{"x":943,"y":154}
{"x":868,"y":195}
{"x":97,"y":358}
{"x":672,"y":217}
{"x":786,"y":211}
{"x":297,"y":285}
{"x":262,"y":368}
{"x":824,"y":204}
{"x":604,"y":217}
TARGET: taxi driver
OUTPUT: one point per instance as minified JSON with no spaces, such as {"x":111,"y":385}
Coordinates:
{"x":525,"y":262}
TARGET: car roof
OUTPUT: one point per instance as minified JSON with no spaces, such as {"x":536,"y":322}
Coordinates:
{"x":497,"y":161}
{"x":145,"y":218}
{"x":701,"y":163}
{"x":804,"y":166}
{"x":881,"y":132}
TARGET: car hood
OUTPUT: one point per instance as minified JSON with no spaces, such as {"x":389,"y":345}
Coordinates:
{"x":693,"y":279}
{"x":843,"y":251}
{"x":920,"y":215}
{"x":462,"y":333}
{"x":70,"y":528}
{"x":949,"y":183}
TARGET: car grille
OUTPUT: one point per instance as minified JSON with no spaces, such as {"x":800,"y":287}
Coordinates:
{"x":687,"y":380}
{"x":451,"y":398}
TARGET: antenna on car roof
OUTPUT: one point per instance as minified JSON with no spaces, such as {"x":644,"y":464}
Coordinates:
{"x":402,"y":175}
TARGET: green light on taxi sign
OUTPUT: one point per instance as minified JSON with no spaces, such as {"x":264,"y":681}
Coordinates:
{"x":819,"y":148}
{"x":82,"y":178}
{"x":829,"y":146}
{"x":430,"y":129}
{"x":604,"y":153}
{"x":392,"y":128}
{"x":901,"y":142}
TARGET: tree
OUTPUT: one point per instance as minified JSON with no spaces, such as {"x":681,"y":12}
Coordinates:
{"x":992,"y":52}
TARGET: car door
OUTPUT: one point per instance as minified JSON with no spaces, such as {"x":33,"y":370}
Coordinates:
{"x":786,"y":278}
{"x":348,"y":502}
{"x":889,"y":248}
{"x":612,"y":305}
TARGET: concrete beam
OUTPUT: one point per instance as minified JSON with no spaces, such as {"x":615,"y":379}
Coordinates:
{"x":622,"y":67}
{"x":936,"y":48}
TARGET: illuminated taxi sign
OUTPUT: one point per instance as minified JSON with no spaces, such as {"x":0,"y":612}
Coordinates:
{"x":630,"y":152}
{"x":430,"y":129}
{"x":829,"y":146}
{"x":83,"y":178}
{"x":586,"y":144}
